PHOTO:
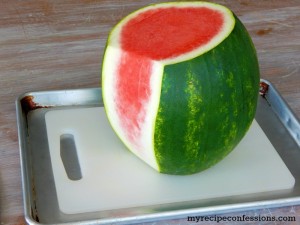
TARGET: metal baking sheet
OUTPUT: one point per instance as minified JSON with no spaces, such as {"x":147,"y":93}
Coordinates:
{"x":274,"y":116}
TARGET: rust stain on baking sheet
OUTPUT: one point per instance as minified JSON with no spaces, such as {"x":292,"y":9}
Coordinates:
{"x":264,"y":87}
{"x":28,"y":104}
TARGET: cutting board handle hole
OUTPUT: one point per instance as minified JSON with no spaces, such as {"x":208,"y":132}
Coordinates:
{"x":68,"y":154}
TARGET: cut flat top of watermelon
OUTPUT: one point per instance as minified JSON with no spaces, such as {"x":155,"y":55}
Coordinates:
{"x":169,"y":31}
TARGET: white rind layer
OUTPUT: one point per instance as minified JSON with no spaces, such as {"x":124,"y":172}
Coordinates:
{"x":144,"y":149}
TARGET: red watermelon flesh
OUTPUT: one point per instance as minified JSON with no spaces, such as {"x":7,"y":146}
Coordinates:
{"x":169,"y":32}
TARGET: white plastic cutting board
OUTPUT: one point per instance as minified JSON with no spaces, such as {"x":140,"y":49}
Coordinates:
{"x":113,"y":178}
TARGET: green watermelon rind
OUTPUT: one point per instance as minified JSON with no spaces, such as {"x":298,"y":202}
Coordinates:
{"x":166,"y":156}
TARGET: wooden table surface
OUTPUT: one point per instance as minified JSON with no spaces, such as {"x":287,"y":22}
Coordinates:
{"x":46,"y":45}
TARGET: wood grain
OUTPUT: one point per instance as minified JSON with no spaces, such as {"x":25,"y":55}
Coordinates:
{"x":46,"y":45}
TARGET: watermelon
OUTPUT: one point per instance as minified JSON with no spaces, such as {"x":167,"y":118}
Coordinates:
{"x":180,"y":84}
